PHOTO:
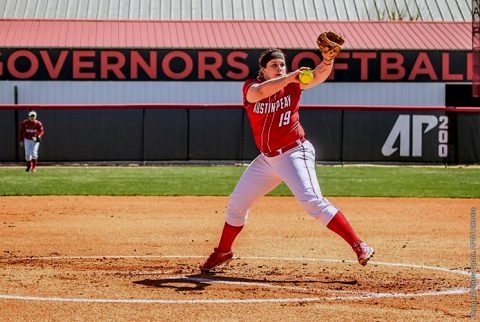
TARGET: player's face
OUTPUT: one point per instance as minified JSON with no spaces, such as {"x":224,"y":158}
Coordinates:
{"x":275,"y":68}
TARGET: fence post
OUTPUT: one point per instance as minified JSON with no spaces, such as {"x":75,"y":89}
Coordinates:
{"x":243,"y":136}
{"x":15,"y":101}
{"x":342,"y":157}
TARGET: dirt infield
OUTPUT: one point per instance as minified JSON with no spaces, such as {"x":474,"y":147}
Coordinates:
{"x":136,"y":258}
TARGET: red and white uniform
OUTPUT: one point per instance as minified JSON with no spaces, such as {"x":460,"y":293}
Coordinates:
{"x":30,"y":129}
{"x":286,"y":156}
{"x":275,"y":120}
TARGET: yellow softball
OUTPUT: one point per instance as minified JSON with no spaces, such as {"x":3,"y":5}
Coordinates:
{"x":305,"y":76}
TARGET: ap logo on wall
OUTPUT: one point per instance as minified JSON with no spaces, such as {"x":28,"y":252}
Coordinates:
{"x":409,"y":130}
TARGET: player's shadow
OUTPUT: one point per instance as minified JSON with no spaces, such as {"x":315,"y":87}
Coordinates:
{"x":199,"y":282}
{"x":179,"y":284}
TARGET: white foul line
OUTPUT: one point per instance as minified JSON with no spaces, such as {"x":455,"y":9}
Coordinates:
{"x":454,"y":291}
{"x":364,"y":295}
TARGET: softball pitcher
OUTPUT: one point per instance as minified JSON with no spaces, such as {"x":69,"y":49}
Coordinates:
{"x":272,"y":103}
{"x":31,"y":132}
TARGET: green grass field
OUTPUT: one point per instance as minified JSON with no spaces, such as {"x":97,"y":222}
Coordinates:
{"x":364,"y":181}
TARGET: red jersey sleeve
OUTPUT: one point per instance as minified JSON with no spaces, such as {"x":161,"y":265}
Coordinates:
{"x":246,"y":86}
{"x":40,"y":129}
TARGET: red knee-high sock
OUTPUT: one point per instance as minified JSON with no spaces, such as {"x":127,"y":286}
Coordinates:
{"x":34,"y":163}
{"x":29,"y":164}
{"x":340,"y":225}
{"x":228,"y":236}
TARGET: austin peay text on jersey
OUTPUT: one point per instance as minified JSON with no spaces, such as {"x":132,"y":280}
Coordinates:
{"x":280,"y":104}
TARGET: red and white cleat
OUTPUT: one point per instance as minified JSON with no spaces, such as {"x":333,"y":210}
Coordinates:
{"x":364,"y":252}
{"x":216,"y":259}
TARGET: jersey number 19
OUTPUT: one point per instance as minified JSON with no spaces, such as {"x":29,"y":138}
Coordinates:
{"x":284,"y":118}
